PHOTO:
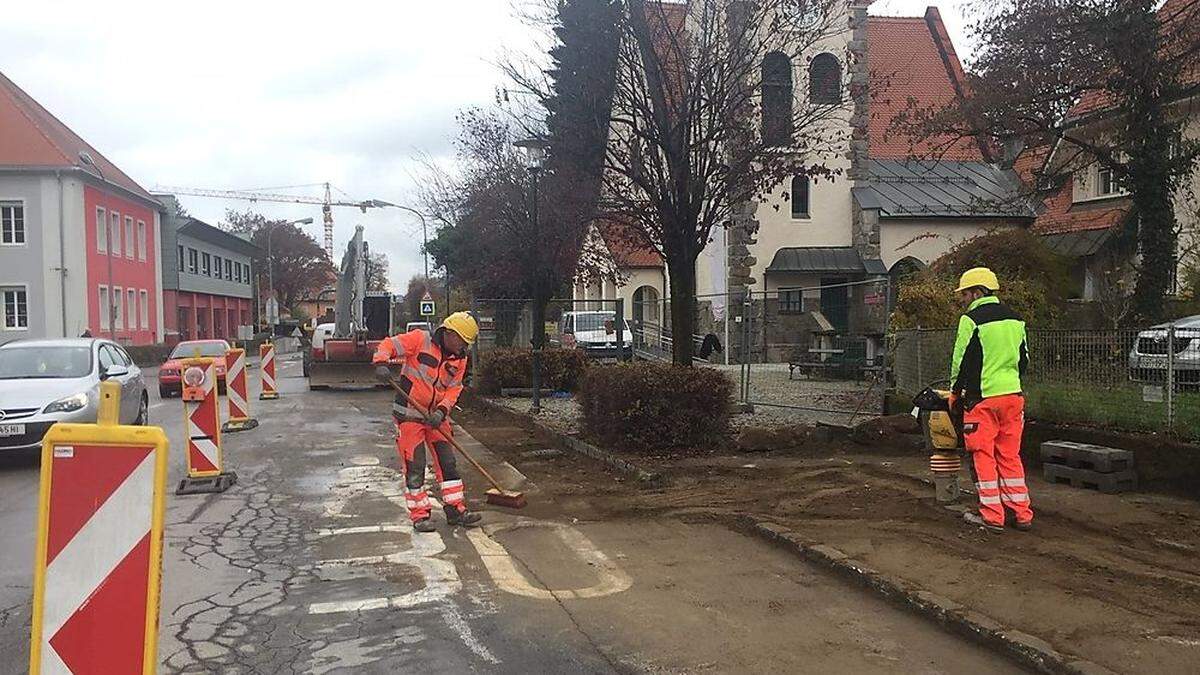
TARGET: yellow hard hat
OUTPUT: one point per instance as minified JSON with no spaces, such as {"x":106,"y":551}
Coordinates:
{"x":978,"y":276}
{"x":464,"y":324}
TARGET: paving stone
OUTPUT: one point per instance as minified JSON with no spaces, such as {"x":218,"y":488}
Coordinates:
{"x":1108,"y":483}
{"x":1087,"y":456}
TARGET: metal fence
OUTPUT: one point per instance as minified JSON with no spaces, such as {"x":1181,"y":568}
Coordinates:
{"x":585,"y":324}
{"x":1130,"y":380}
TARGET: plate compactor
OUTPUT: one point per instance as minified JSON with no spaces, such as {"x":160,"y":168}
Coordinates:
{"x":942,"y":428}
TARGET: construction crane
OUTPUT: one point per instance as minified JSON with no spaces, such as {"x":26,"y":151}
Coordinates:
{"x":327,"y":203}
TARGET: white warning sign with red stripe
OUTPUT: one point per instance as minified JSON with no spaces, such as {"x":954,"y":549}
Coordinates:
{"x":235,"y":385}
{"x":202,"y":415}
{"x":266,"y":353}
{"x":99,"y":552}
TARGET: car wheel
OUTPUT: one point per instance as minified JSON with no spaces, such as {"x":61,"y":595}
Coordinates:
{"x":164,"y":393}
{"x":143,"y":417}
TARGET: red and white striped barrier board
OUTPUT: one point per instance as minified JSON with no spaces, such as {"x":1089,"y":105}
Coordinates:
{"x":202,"y":427}
{"x":99,"y":549}
{"x":266,"y":353}
{"x":235,"y":392}
{"x":202,"y":415}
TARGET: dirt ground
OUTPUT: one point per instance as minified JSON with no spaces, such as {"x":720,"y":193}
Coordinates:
{"x":1114,"y":579}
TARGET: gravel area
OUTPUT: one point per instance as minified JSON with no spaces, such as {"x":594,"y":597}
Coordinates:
{"x":560,"y":414}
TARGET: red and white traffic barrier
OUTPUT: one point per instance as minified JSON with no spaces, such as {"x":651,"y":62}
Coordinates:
{"x":202,"y":427}
{"x":235,"y":392}
{"x":266,"y":353}
{"x":99,"y":547}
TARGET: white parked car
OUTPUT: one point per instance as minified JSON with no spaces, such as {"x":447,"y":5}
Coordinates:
{"x":1148,"y":356}
{"x":595,"y":332}
{"x":58,"y":380}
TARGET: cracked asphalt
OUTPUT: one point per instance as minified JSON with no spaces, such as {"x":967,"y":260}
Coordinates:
{"x":308,"y":565}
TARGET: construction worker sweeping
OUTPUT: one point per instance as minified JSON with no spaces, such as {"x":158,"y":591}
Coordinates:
{"x":990,"y":357}
{"x":430,"y":382}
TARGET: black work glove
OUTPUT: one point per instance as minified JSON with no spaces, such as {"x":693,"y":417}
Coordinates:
{"x":383,"y":373}
{"x":436,"y":418}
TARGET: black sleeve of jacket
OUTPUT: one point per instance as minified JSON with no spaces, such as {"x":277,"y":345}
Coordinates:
{"x":1023,"y":364}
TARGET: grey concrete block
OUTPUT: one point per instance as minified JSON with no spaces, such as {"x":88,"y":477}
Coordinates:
{"x":1087,"y":456}
{"x":1108,"y":483}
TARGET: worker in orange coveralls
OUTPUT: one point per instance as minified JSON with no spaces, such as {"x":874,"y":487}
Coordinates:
{"x":990,"y":358}
{"x":432,"y":377}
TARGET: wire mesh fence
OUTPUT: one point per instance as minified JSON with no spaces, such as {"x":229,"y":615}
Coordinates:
{"x":589,"y":325}
{"x":1130,"y":380}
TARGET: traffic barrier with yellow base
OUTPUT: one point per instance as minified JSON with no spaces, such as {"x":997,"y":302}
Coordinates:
{"x":266,"y":354}
{"x":99,"y":546}
{"x":202,"y":426}
{"x":235,"y":392}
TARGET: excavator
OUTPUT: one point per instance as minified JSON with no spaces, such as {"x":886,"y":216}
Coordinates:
{"x":361,"y":320}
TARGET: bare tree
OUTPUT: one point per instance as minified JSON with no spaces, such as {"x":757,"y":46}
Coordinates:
{"x":706,"y":118}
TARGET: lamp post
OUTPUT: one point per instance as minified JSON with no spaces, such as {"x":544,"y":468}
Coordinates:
{"x":270,"y":262}
{"x":379,"y":203}
{"x":86,"y":158}
{"x":534,"y":151}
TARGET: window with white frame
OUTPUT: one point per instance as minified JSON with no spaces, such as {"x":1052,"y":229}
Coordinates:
{"x":118,"y":310}
{"x":192,"y":257}
{"x":217,"y":266}
{"x":1106,"y":183}
{"x":129,"y":240}
{"x":105,"y":308}
{"x":206,"y":264}
{"x":141,"y":240}
{"x":12,"y":223}
{"x":131,"y":303}
{"x":101,"y":230}
{"x":228,"y":269}
{"x":239,"y":273}
{"x":114,"y":234}
{"x":144,"y":308}
{"x":179,"y":258}
{"x":16,"y":308}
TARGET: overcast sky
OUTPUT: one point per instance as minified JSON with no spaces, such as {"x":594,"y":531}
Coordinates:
{"x":257,"y":94}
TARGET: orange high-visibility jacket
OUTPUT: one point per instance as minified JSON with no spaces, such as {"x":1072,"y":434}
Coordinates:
{"x":431,"y":380}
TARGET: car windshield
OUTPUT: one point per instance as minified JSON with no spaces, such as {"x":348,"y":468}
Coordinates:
{"x":45,"y":362}
{"x":592,"y":321}
{"x":187,"y":349}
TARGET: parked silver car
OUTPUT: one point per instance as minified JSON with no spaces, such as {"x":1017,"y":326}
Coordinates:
{"x":48,"y":381}
{"x":1148,"y":356}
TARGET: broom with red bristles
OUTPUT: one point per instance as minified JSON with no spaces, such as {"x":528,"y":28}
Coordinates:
{"x":497,"y":495}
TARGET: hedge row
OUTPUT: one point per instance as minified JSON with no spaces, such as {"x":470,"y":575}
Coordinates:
{"x":653,"y":407}
{"x":511,"y":367}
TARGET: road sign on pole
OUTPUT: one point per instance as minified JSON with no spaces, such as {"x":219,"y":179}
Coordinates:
{"x":428,"y":307}
{"x":99,"y":546}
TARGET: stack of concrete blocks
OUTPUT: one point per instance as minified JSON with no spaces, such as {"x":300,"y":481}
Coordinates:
{"x":1084,"y":465}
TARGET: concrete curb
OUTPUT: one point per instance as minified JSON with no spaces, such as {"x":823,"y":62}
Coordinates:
{"x":1026,"y":650}
{"x":649,"y":479}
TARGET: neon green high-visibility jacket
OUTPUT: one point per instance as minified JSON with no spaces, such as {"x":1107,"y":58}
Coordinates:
{"x":990,"y":353}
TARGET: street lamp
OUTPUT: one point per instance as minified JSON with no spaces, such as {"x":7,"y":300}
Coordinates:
{"x":534,"y":151}
{"x":87,"y":160}
{"x":270,"y":262}
{"x":378,"y":204}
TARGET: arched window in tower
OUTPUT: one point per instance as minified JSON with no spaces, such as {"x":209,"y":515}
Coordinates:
{"x":776,"y":99}
{"x":825,"y":79}
{"x":800,"y":197}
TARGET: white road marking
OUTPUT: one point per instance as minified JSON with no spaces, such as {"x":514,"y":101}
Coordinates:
{"x":362,"y":529}
{"x":504,"y":572}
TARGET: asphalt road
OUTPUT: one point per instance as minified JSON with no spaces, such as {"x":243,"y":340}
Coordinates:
{"x":308,"y":565}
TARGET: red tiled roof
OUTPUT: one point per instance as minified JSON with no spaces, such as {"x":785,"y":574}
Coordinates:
{"x":1062,"y":215}
{"x":625,"y":250}
{"x":32,"y":137}
{"x":912,"y":59}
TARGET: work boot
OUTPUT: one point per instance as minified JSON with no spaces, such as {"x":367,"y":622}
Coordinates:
{"x":465,"y":517}
{"x":1023,"y":526}
{"x":424,"y":525}
{"x":977,"y":520}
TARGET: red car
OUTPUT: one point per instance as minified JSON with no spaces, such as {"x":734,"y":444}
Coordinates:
{"x":169,"y":375}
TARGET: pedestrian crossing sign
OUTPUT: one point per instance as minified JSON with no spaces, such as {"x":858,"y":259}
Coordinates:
{"x":427,"y":308}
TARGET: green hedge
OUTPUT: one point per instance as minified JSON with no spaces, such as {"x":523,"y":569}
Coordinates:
{"x":654,"y":407}
{"x":510,"y":367}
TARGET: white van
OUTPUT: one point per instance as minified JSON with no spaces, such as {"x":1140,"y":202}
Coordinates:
{"x":594,"y":332}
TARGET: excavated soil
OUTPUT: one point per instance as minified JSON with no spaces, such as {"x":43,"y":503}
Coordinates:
{"x":1115,"y":579}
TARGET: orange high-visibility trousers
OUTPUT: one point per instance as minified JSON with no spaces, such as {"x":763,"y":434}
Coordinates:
{"x":992,"y":434}
{"x":415,"y":441}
